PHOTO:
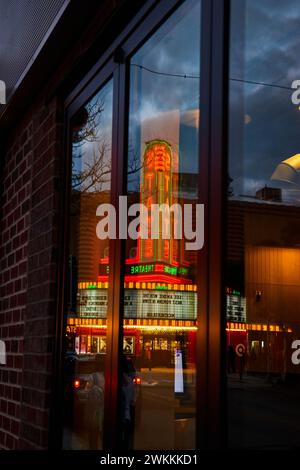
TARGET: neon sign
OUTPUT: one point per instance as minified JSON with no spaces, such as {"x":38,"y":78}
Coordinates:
{"x":231,"y":291}
{"x":142,"y":268}
{"x":158,"y":268}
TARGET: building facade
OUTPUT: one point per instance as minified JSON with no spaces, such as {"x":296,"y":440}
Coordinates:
{"x":123,"y":328}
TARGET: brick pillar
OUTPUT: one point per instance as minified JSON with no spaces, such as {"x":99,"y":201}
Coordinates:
{"x":14,"y":231}
{"x":40,"y":313}
{"x":28,"y":290}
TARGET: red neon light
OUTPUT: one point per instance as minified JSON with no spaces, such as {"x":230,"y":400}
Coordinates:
{"x":148,"y":248}
{"x":166,"y":249}
{"x":158,"y":155}
{"x":159,"y":268}
{"x":167,"y":179}
{"x":174,"y":263}
{"x":132,"y":260}
{"x":149,"y":178}
{"x":157,"y":278}
{"x":76,"y":383}
{"x":151,"y":278}
{"x":104,"y":260}
{"x":90,"y":329}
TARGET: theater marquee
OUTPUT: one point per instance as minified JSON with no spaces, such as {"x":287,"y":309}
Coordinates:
{"x":141,"y":303}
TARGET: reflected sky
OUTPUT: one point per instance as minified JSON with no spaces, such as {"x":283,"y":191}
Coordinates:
{"x":264,"y":124}
{"x":91,"y":162}
{"x":165,"y":81}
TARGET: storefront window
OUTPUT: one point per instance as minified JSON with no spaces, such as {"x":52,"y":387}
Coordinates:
{"x":263,"y":255}
{"x":85,"y":335}
{"x":160,"y":295}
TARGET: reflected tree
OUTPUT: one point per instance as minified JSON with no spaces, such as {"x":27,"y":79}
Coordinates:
{"x":96,"y":170}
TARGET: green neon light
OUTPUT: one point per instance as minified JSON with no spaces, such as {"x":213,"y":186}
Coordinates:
{"x":170,"y":270}
{"x":141,"y":268}
{"x":183,"y":270}
{"x":236,"y":292}
{"x":150,"y":268}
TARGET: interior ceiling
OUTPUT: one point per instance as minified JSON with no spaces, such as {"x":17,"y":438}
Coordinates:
{"x":23,"y":28}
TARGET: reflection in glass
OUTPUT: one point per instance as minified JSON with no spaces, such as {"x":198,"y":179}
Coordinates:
{"x":85,"y":335}
{"x":160,"y":298}
{"x":263,"y":264}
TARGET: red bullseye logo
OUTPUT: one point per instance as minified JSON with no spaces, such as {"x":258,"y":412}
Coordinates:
{"x":240,"y":349}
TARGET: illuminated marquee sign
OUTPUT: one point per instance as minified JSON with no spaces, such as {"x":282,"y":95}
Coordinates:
{"x":158,"y":268}
{"x":236,"y":308}
{"x":93,"y":303}
{"x":160,"y":304}
{"x":141,"y":304}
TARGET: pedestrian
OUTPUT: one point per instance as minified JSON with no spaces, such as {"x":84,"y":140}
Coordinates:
{"x":95,"y":408}
{"x":128,"y":399}
{"x":242,"y":363}
{"x":231,"y":358}
{"x":148,"y":357}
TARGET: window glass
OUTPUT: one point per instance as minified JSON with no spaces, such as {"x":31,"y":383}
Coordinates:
{"x":263,"y":255}
{"x":160,"y":297}
{"x":85,"y":335}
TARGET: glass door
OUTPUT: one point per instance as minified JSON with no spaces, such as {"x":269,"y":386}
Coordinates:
{"x":86,"y":322}
{"x":132,"y":360}
{"x":165,"y":232}
{"x":263,"y":211}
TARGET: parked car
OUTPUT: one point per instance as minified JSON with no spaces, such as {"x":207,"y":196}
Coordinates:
{"x":80,"y":373}
{"x":80,"y":370}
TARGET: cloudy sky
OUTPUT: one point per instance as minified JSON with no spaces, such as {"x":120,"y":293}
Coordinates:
{"x":155,"y":91}
{"x":97,"y":148}
{"x":264,"y":124}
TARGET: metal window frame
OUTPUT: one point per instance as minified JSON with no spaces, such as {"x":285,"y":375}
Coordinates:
{"x":211,"y":380}
{"x":216,"y":424}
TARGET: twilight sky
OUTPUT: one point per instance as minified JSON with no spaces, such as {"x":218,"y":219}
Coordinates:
{"x":264,"y":124}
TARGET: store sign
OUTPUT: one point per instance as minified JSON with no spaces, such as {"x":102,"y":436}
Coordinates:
{"x":236,"y":308}
{"x":140,"y":303}
{"x":2,"y":92}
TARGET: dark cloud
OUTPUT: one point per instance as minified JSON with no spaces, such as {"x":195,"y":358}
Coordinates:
{"x":173,"y":49}
{"x":265,"y":49}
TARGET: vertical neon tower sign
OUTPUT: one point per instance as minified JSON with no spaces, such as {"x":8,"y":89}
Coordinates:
{"x":159,"y":186}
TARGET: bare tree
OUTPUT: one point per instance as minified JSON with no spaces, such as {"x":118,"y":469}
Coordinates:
{"x":96,"y":171}
{"x":89,"y":118}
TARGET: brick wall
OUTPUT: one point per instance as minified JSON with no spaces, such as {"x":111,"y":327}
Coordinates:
{"x":28,"y":251}
{"x":14,"y":229}
{"x":30,"y":210}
